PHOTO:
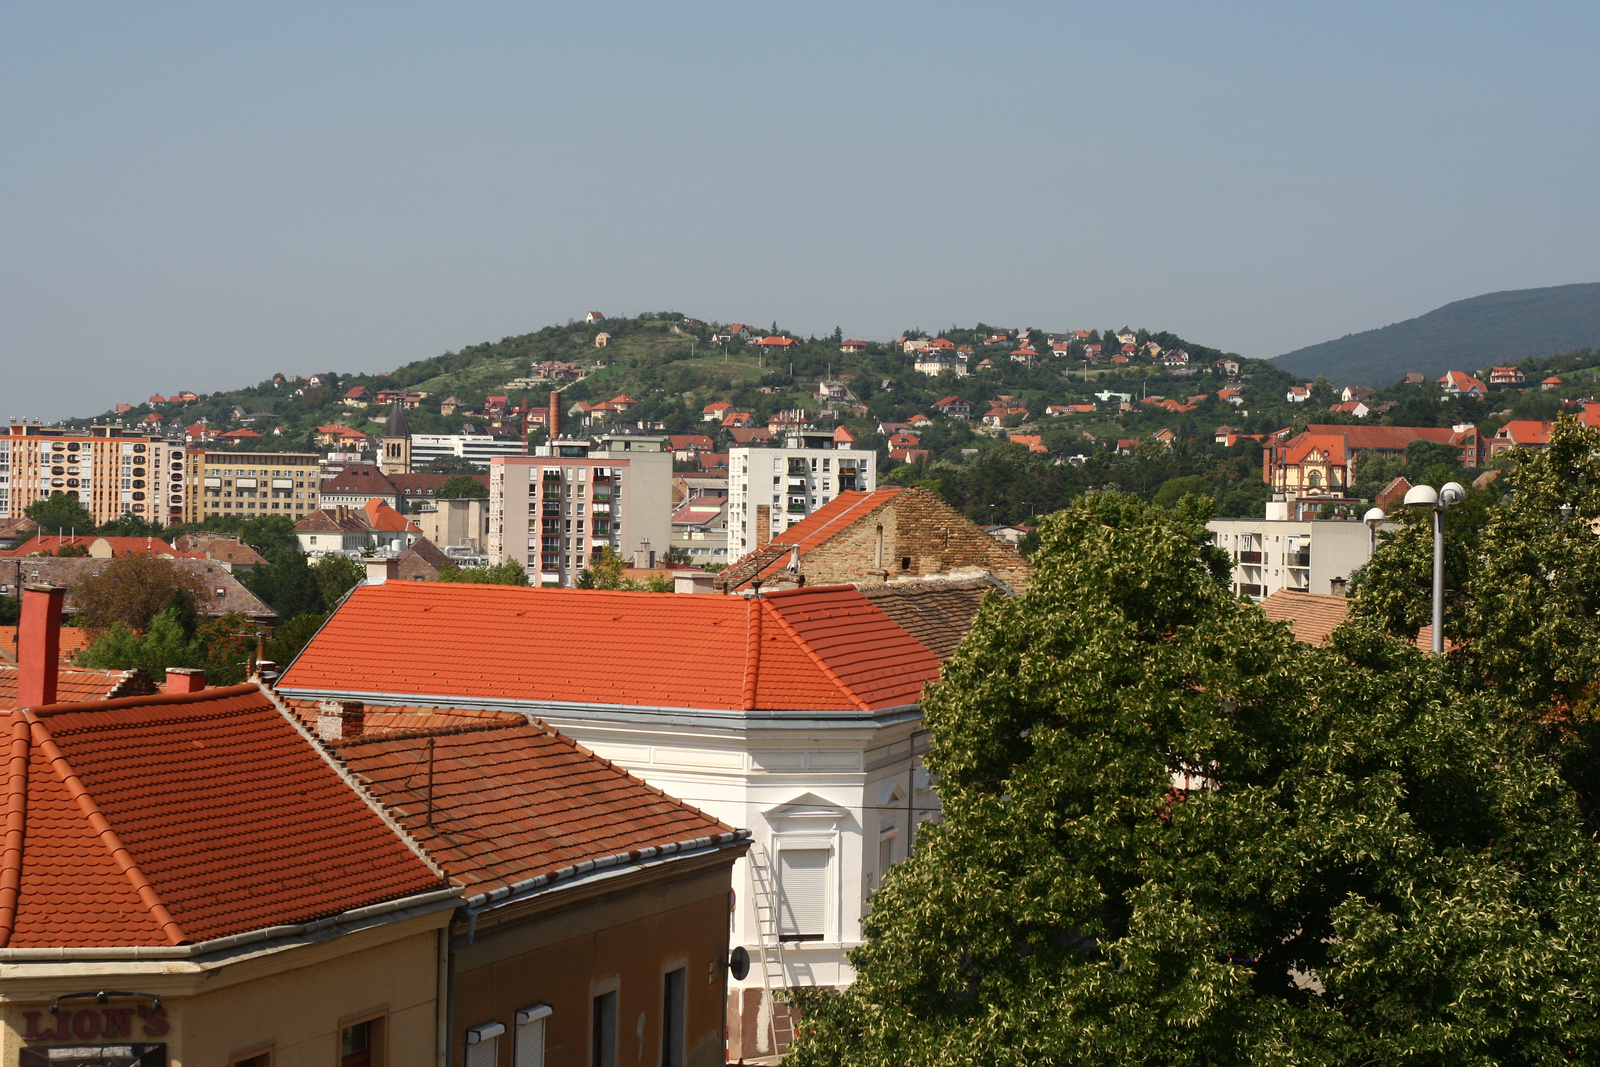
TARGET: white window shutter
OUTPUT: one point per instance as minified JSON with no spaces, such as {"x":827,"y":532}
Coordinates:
{"x":803,"y":886}
{"x":483,"y":1045}
{"x":530,"y":1044}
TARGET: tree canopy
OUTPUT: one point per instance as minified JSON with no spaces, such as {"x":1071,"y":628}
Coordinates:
{"x":1171,"y":834}
{"x":60,"y":513}
{"x":508,"y":573}
{"x":460,"y":487}
{"x":131,"y":590}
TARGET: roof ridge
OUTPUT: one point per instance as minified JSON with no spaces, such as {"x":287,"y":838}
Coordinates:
{"x":16,"y":826}
{"x":103,"y":830}
{"x":752,"y":651}
{"x":832,"y":675}
{"x":350,"y":778}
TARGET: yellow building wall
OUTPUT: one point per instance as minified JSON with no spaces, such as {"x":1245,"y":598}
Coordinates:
{"x":296,"y":1010}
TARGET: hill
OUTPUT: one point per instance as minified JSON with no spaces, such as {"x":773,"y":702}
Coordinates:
{"x":1496,"y":328}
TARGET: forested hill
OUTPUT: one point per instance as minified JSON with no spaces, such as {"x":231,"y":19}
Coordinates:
{"x":1483,"y":331}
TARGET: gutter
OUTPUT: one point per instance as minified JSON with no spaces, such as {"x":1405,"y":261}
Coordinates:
{"x":417,"y":904}
{"x":528,"y":887}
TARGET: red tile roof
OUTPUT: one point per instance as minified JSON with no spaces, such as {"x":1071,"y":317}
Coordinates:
{"x":82,"y":683}
{"x":120,"y":546}
{"x":499,"y":805}
{"x":823,"y":648}
{"x":169,"y":820}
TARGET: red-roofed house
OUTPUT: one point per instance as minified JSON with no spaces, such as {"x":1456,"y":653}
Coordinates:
{"x":1357,"y":408}
{"x":777,"y":344}
{"x":234,"y":437}
{"x":1520,"y":433}
{"x":918,"y":422}
{"x":1458,"y":383}
{"x":954,"y":407}
{"x":738,"y":420}
{"x":358,"y":397}
{"x":714,"y":411}
{"x":852,"y":347}
{"x":842,"y":436}
{"x":1506,"y":376}
{"x":1551,"y":382}
{"x":761,"y":711}
{"x":351,"y":531}
{"x":1322,"y":459}
{"x":97,"y":547}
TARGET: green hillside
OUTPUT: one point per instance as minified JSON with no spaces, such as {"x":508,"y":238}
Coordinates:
{"x":1496,"y":328}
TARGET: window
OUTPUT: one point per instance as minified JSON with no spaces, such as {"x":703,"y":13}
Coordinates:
{"x":886,"y":850}
{"x":483,"y":1044}
{"x":603,"y":1040}
{"x":803,"y":893}
{"x":361,"y":1043}
{"x":528,"y":1050}
{"x":674,"y":1016}
{"x":256,"y":1057}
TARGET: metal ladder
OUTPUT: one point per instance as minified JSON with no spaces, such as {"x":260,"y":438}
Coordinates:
{"x":769,"y":948}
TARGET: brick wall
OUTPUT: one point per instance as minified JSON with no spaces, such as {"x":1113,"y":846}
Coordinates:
{"x":921,"y":536}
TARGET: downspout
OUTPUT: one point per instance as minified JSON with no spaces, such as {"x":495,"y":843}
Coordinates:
{"x":442,"y":1040}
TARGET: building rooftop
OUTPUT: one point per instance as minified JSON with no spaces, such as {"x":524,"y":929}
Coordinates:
{"x":939,"y":612}
{"x":74,"y":684}
{"x":821,"y":648}
{"x":174,"y":819}
{"x":499,"y":804}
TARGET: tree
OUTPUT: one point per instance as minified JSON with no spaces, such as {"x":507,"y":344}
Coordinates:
{"x":1522,"y":598}
{"x":266,"y":533}
{"x":335,"y":576}
{"x":286,"y":582}
{"x":603,"y":572}
{"x":1173,"y":835}
{"x":130,"y":525}
{"x":292,"y":636}
{"x":60,"y":513}
{"x":460,"y":487}
{"x":131,"y":590}
{"x":677,"y":554}
{"x":219,"y":646}
{"x":508,"y":573}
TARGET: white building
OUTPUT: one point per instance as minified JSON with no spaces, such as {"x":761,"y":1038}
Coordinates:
{"x":770,"y":489}
{"x":477,"y":449}
{"x":1307,"y":555}
{"x":754,"y":709}
{"x":550,"y":511}
{"x":935,"y":363}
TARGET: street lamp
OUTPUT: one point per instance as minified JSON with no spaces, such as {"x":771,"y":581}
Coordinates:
{"x":1374,"y":519}
{"x":1424,"y":498}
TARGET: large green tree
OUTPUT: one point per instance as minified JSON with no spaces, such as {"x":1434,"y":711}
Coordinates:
{"x":1173,"y":835}
{"x":60,"y":513}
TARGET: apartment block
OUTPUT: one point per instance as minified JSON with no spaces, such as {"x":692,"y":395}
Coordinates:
{"x":248,"y":484}
{"x":477,"y":449}
{"x":771,"y":489}
{"x":551,"y":511}
{"x":109,"y":470}
{"x":1306,"y":555}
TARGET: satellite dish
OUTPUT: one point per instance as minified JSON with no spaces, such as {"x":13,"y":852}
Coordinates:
{"x":739,"y":963}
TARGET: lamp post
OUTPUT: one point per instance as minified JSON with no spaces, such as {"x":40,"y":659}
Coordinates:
{"x":1374,"y":519}
{"x":1424,"y":498}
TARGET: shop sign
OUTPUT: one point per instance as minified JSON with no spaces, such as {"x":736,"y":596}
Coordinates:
{"x":87,"y":1024}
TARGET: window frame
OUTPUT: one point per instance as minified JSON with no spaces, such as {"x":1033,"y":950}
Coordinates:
{"x":378,"y":1039}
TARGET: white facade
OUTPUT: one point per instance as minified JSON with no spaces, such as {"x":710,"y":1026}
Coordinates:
{"x":1304,"y":555}
{"x":110,"y":472}
{"x":550,"y":512}
{"x":477,"y":449}
{"x":790,"y":482}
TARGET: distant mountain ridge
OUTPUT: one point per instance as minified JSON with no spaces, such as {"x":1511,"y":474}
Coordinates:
{"x":1481,"y":331}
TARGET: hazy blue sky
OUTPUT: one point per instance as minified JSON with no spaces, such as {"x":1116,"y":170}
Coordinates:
{"x":198,"y":195}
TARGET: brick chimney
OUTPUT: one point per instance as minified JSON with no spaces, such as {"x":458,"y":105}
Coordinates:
{"x":1336,"y":587}
{"x":185,"y":680}
{"x":763,"y":525}
{"x":340,"y":720}
{"x":39,"y":644}
{"x":555,"y":414}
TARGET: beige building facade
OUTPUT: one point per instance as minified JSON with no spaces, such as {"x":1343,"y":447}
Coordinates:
{"x":249,"y":484}
{"x":110,"y":471}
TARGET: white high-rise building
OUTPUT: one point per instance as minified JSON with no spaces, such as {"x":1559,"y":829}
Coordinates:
{"x":778,"y":487}
{"x":477,"y":449}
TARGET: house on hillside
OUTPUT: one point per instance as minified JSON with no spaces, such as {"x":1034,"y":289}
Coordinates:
{"x":1506,"y":376}
{"x":954,"y":407}
{"x":1456,"y":383}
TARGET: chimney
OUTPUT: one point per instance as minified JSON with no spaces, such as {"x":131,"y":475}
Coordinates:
{"x":763,"y":525}
{"x":1336,"y":587}
{"x":339,"y":720}
{"x":185,"y":680}
{"x":39,"y":644}
{"x":555,"y":414}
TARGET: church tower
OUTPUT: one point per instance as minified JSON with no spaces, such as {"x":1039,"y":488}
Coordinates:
{"x":394,"y":453}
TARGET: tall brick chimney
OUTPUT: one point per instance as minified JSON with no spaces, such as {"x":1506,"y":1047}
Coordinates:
{"x":555,"y":414}
{"x":763,"y":525}
{"x":39,"y":644}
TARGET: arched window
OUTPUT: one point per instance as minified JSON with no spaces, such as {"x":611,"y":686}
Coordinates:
{"x":1314,"y":479}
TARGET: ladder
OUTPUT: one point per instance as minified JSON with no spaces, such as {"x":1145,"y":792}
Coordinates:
{"x":769,"y":950}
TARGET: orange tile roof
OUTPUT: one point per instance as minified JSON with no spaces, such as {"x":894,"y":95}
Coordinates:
{"x":388,"y":719}
{"x":169,"y":820}
{"x":74,"y":639}
{"x":1312,"y":617}
{"x":820,"y":648}
{"x":120,"y":546}
{"x":82,"y":683}
{"x":508,"y":803}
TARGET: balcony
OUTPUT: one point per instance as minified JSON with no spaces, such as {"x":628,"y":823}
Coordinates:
{"x":796,"y":509}
{"x":1250,"y":557}
{"x":552,"y":476}
{"x":600,"y":509}
{"x":1298,"y":559}
{"x":1250,"y":590}
{"x":550,"y":563}
{"x":552,"y":507}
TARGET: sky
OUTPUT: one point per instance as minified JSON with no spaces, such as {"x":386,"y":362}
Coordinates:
{"x":197,"y":196}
